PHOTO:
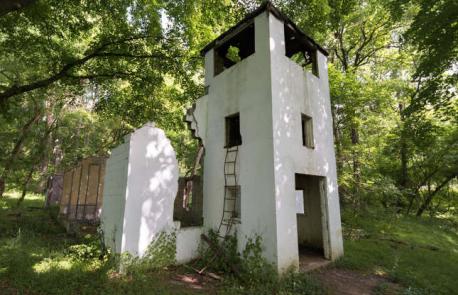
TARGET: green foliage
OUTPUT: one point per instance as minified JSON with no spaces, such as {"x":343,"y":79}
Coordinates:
{"x":89,"y":249}
{"x":37,"y":256}
{"x":233,"y":54}
{"x":255,"y":275}
{"x":255,"y":270}
{"x":433,"y":34}
{"x":219,"y":263}
{"x":160,"y":254}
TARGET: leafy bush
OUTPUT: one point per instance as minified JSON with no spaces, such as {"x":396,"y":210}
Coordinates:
{"x":90,"y":248}
{"x":160,"y":253}
{"x":255,"y":275}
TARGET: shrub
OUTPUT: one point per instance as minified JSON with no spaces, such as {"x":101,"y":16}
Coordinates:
{"x":160,"y":253}
{"x":255,"y":274}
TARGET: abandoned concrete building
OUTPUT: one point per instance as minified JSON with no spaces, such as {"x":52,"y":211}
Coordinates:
{"x":269,"y":163}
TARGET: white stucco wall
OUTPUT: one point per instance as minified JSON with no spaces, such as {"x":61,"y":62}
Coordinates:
{"x":244,"y":88}
{"x":115,"y":182}
{"x":188,"y":242}
{"x":295,"y":92}
{"x":140,"y":190}
{"x":270,"y":92}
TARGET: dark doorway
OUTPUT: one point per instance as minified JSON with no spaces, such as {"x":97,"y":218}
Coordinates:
{"x":310,"y":219}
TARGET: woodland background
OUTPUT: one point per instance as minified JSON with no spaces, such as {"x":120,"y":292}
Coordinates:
{"x":76,"y":76}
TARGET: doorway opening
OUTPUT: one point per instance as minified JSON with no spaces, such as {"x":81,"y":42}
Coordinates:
{"x":312,"y":228}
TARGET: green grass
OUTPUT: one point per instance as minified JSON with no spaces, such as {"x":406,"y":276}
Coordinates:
{"x":418,"y":253}
{"x":36,"y":258}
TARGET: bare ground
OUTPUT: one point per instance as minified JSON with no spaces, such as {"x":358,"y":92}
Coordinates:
{"x":347,"y":282}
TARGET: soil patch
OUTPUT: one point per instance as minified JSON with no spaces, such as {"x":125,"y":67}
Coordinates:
{"x":347,"y":282}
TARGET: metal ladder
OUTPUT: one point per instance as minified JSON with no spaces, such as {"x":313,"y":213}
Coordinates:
{"x":231,"y":192}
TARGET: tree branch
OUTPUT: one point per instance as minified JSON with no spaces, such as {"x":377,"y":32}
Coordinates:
{"x":430,"y":195}
{"x":98,"y":52}
{"x":104,"y":75}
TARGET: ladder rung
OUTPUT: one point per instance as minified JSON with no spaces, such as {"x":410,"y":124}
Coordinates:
{"x":229,"y":162}
{"x":227,"y":198}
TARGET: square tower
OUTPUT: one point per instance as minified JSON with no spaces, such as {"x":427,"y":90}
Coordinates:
{"x":266,"y":125}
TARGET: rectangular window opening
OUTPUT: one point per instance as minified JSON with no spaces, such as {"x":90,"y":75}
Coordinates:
{"x":307,"y":131}
{"x":301,"y":50}
{"x":232,"y":51}
{"x":235,"y":197}
{"x":233,"y":136}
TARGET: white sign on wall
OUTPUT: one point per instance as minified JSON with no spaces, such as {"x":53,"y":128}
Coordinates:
{"x":300,"y":202}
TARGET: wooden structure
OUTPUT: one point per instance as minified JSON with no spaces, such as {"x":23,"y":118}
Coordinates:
{"x":83,"y":191}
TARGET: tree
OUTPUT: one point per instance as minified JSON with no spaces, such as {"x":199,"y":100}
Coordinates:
{"x":66,"y":42}
{"x":113,"y":55}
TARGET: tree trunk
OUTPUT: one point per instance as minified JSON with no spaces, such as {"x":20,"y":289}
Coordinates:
{"x":356,"y":163}
{"x":47,"y":144}
{"x":337,"y":142}
{"x":403,"y":180}
{"x":430,"y":195}
{"x":17,"y":148}
{"x":25,"y":186}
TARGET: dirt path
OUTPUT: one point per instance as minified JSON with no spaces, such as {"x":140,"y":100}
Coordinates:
{"x":347,"y":282}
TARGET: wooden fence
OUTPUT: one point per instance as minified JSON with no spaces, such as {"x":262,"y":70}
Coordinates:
{"x":82,"y":195}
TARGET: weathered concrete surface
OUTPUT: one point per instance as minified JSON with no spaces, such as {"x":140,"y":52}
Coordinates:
{"x":270,"y":92}
{"x":141,"y":186}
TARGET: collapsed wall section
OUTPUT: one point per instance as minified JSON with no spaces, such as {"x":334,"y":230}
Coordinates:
{"x":141,"y":185}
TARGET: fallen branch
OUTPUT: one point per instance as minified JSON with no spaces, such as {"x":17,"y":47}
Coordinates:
{"x":203,"y":273}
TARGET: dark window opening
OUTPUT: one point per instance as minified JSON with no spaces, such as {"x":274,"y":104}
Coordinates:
{"x":307,"y":131}
{"x":233,"y":137}
{"x":189,"y":213}
{"x":235,"y":197}
{"x":300,"y":50}
{"x":232,"y":51}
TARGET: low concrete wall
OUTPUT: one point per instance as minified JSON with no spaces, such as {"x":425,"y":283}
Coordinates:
{"x":188,"y":243}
